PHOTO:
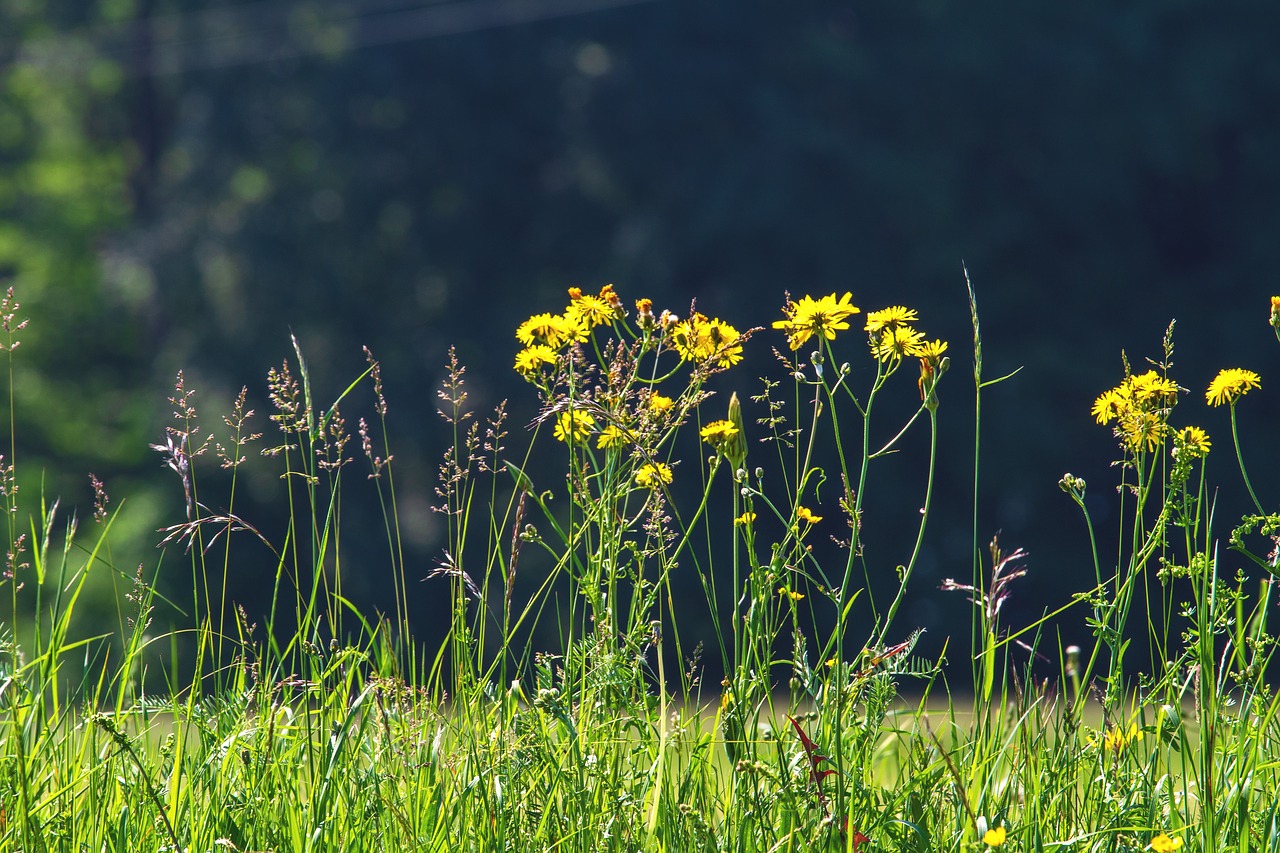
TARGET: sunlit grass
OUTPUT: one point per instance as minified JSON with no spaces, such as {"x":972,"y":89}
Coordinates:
{"x":828,"y":731}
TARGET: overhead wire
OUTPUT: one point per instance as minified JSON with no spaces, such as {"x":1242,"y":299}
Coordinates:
{"x":280,"y":29}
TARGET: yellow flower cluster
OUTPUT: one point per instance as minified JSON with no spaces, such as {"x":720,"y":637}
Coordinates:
{"x":1230,"y":385}
{"x":653,"y":475}
{"x":823,"y":316}
{"x":699,"y":339}
{"x":1164,"y":843}
{"x":893,"y":338}
{"x":1140,"y":406}
{"x":544,"y":335}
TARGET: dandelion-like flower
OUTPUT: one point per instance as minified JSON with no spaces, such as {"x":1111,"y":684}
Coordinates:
{"x":931,"y":352}
{"x":1117,"y":739}
{"x":1152,"y":389}
{"x":1191,"y":441}
{"x":1164,"y":843}
{"x":660,"y":403}
{"x":823,"y":316}
{"x":653,"y":475}
{"x":589,"y":310}
{"x":717,"y":433}
{"x":745,"y":518}
{"x":994,"y":837}
{"x":803,"y":513}
{"x":1110,"y":405}
{"x":889,"y":318}
{"x":700,"y":339}
{"x":533,"y":358}
{"x":612,"y":437}
{"x":644,"y":311}
{"x":574,"y":425}
{"x":1230,"y":385}
{"x":890,"y":344}
{"x":548,"y":329}
{"x":1142,"y":430}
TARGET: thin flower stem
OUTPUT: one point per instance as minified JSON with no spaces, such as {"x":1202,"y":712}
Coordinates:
{"x":1235,"y":438}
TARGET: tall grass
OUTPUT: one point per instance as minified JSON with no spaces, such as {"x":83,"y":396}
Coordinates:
{"x":567,"y":707}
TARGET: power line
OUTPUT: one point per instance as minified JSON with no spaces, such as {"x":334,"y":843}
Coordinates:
{"x":283,"y":29}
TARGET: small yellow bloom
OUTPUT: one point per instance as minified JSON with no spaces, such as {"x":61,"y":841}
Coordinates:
{"x":653,"y":475}
{"x":1151,"y":388}
{"x":931,"y":351}
{"x":1275,"y":311}
{"x":994,"y":837}
{"x":1142,"y":430}
{"x":660,"y":402}
{"x":786,"y":593}
{"x":1164,"y":843}
{"x":549,"y":329}
{"x":644,"y":312}
{"x":717,"y":433}
{"x":1230,"y":385}
{"x":803,"y":513}
{"x":532,"y":359}
{"x":896,"y":342}
{"x":1192,"y":441}
{"x":574,"y":425}
{"x":1116,"y":738}
{"x":808,"y":317}
{"x":589,"y":310}
{"x":745,"y":518}
{"x":699,"y":339}
{"x":890,"y":318}
{"x":612,"y":437}
{"x":1110,"y":405}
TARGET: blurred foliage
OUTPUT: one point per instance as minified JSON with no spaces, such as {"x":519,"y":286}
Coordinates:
{"x":182,"y":184}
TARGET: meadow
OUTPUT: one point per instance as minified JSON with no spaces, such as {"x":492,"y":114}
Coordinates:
{"x":319,"y":727}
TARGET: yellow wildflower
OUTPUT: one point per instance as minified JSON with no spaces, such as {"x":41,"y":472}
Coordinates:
{"x":1192,"y":441}
{"x":531,"y":359}
{"x":786,"y":593}
{"x":889,"y":318}
{"x":745,"y":518}
{"x":1164,"y":843}
{"x":717,"y":433}
{"x":613,"y":300}
{"x":660,"y":402}
{"x":1142,"y":430}
{"x":644,"y":311}
{"x":653,"y":475}
{"x":1111,"y":405}
{"x":1230,"y":385}
{"x":896,"y":342}
{"x":1116,"y":738}
{"x":994,"y":837}
{"x":823,"y":316}
{"x":574,"y":425}
{"x":931,"y":351}
{"x":548,"y":329}
{"x":1275,"y":311}
{"x":1151,"y":388}
{"x":589,"y":310}
{"x":803,"y":513}
{"x":700,"y":339}
{"x":612,"y":437}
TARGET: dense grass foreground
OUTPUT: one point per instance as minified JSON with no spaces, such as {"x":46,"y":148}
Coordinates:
{"x":335,"y":734}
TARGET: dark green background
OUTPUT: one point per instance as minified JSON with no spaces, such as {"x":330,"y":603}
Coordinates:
{"x":182,"y":184}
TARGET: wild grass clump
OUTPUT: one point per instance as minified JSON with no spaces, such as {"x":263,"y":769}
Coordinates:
{"x":569,"y":705}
